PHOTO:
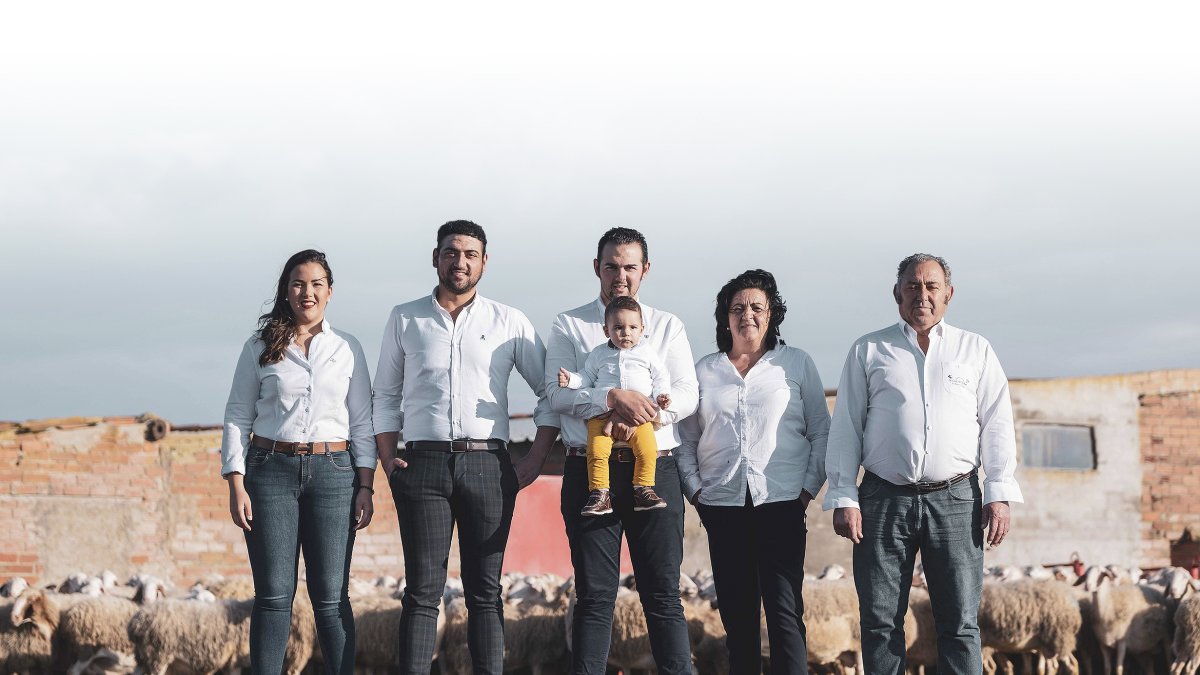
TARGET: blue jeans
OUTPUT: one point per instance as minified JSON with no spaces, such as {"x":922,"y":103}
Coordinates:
{"x":946,"y":527}
{"x":656,"y":550}
{"x":300,"y":503}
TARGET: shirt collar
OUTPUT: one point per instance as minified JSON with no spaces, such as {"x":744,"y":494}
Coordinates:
{"x":466,"y":308}
{"x":939,"y":329}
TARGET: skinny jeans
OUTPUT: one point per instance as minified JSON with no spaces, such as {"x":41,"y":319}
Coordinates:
{"x":301,"y":503}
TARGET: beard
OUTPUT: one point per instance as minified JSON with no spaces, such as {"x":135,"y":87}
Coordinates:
{"x":450,"y":283}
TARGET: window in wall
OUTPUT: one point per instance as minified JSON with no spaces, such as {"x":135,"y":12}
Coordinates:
{"x":1058,"y":446}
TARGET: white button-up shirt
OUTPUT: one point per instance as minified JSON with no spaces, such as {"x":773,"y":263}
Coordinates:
{"x":441,"y":379}
{"x":908,"y":417}
{"x":765,"y":432}
{"x":577,"y":332}
{"x":636,"y":368}
{"x":325,"y":396}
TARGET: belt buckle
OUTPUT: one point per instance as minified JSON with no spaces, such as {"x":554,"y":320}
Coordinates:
{"x":623,"y":455}
{"x":303,"y":449}
{"x":460,"y":446}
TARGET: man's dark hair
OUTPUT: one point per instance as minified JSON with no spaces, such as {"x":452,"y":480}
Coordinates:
{"x":763,"y":281}
{"x":619,"y":303}
{"x":623,"y":235}
{"x":463,"y":227}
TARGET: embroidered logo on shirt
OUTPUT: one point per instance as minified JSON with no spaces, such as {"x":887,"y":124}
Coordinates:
{"x":959,"y":380}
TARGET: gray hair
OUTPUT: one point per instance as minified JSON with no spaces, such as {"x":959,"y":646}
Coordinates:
{"x":917,"y":259}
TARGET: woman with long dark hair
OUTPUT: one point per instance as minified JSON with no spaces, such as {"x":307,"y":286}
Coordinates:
{"x":298,"y":453}
{"x":751,"y":459}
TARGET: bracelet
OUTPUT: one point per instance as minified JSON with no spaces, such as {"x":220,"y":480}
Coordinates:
{"x":368,"y":488}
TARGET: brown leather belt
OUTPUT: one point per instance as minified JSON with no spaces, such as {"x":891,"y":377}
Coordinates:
{"x":460,"y":445}
{"x":926,"y":487}
{"x":622,"y":455}
{"x":285,"y":448}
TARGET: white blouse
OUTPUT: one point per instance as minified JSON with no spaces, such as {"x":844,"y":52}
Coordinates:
{"x":324,"y":397}
{"x":765,"y":432}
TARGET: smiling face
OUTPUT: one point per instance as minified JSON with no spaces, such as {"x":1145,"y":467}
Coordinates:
{"x":460,"y":260}
{"x":308,"y":293}
{"x":922,"y":295}
{"x":624,"y":328}
{"x":621,"y":270}
{"x":749,"y":316}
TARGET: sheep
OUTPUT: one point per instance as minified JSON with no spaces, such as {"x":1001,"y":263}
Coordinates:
{"x":535,"y":632}
{"x":1031,"y":615}
{"x":706,"y":634}
{"x":1130,"y":618}
{"x":185,"y":637}
{"x":1187,"y":636}
{"x":94,"y":625}
{"x":202,"y":637}
{"x":377,"y":627}
{"x":27,"y":627}
{"x":921,"y":641}
{"x":832,"y":623}
{"x":13,"y":587}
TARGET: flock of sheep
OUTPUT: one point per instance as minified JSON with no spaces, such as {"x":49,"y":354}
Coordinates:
{"x":1068,"y":619}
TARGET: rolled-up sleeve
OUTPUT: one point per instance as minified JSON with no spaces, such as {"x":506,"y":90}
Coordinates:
{"x":816,"y":426}
{"x":997,"y":438}
{"x":844,"y":450}
{"x":240,"y":411}
{"x":387,"y":413}
{"x":358,"y":408}
{"x":530,"y":360}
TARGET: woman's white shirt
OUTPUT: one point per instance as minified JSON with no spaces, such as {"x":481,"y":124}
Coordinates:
{"x":765,"y":432}
{"x":325,"y":396}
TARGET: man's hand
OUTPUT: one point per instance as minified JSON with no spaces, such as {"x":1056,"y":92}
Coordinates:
{"x":364,"y":508}
{"x":847,"y":522}
{"x":632,"y":406}
{"x":528,"y":469}
{"x":805,"y":499}
{"x":621,"y":429}
{"x":696,"y":497}
{"x":397,"y":463}
{"x":996,"y":518}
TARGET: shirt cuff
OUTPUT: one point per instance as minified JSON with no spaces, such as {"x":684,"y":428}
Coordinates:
{"x":235,"y":466}
{"x":1002,"y":491}
{"x":842,"y":498}
{"x":691,"y":485}
{"x":574,"y":381}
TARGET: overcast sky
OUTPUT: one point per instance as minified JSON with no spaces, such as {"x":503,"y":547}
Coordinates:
{"x":158,"y":164}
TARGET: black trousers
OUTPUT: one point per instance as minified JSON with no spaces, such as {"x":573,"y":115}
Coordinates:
{"x":757,"y":555}
{"x":656,"y":550}
{"x":476,"y":490}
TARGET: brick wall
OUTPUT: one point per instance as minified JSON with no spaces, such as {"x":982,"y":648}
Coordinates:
{"x":103,"y":497}
{"x":1170,"y":443}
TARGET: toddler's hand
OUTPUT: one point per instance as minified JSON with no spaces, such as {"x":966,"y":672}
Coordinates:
{"x":608,"y":428}
{"x":564,"y":378}
{"x":664,"y":401}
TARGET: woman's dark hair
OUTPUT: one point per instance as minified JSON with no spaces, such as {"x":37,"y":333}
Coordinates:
{"x":277,"y":327}
{"x":763,"y":281}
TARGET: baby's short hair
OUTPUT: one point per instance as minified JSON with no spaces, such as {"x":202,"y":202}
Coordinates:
{"x":619,"y":303}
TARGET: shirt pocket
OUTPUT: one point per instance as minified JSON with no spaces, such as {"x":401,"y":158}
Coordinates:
{"x":960,"y":380}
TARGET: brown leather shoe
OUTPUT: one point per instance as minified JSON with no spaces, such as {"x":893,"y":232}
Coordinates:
{"x":598,"y":504}
{"x":645,"y":499}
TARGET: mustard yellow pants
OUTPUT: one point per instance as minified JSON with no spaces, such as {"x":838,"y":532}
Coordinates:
{"x":599,"y":449}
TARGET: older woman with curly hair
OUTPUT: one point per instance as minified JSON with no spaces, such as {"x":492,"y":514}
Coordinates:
{"x":752,"y":458}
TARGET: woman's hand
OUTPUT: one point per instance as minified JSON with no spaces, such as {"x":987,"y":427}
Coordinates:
{"x":364,"y":507}
{"x":239,"y":502}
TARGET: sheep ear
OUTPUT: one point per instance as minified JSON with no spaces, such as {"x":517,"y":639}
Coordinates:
{"x":1080,"y":581}
{"x":20,"y":611}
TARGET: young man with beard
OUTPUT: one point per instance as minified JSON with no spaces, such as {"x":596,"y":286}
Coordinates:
{"x":443,"y":380}
{"x":655,"y":536}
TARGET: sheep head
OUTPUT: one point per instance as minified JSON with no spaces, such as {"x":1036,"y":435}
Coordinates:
{"x":37,"y":610}
{"x":1094,"y":577}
